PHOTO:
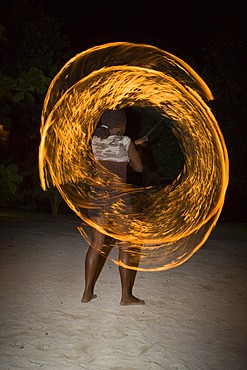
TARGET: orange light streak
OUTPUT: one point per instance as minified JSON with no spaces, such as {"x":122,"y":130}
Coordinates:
{"x":177,"y":219}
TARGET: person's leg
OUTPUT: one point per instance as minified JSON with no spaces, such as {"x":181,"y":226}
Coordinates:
{"x":102,"y":258}
{"x":128,"y":278}
{"x":93,"y":265}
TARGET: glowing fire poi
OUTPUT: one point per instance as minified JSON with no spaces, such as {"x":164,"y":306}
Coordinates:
{"x":177,"y":219}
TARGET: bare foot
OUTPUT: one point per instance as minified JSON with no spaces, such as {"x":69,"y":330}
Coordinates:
{"x":132,"y":300}
{"x":86,"y":299}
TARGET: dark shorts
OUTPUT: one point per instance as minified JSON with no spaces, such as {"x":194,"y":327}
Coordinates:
{"x":106,"y":204}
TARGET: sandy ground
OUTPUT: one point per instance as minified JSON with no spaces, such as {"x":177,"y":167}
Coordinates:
{"x":195,"y":315}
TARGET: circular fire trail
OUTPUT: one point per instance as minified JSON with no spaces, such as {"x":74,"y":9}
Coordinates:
{"x":167,"y":225}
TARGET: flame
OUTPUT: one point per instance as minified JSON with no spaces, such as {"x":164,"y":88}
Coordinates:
{"x":177,"y":219}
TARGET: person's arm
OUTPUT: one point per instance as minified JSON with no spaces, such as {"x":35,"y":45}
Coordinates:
{"x":141,"y":141}
{"x":135,"y":160}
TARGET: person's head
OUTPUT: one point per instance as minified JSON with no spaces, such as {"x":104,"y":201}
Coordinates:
{"x":113,"y":122}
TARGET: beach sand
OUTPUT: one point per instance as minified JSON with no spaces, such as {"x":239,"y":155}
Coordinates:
{"x":195,"y":317}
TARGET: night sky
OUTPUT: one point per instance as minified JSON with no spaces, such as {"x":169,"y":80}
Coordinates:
{"x":182,"y":27}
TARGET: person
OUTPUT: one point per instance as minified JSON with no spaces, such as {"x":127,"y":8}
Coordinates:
{"x":112,"y":149}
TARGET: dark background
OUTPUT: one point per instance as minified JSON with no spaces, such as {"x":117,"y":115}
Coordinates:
{"x":184,"y":28}
{"x":208,"y":35}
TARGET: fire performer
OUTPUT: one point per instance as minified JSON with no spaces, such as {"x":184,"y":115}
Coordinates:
{"x":112,"y":149}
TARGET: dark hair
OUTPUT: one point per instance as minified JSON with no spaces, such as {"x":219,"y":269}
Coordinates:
{"x":110,"y":119}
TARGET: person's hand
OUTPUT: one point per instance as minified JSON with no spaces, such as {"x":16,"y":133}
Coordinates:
{"x":141,"y":141}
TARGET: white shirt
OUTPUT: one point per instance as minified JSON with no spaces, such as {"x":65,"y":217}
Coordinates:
{"x":114,"y":148}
